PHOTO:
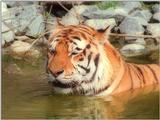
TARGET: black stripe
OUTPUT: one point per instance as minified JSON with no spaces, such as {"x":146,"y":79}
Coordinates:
{"x":87,"y":70}
{"x":76,"y":37}
{"x":130,"y":76}
{"x":84,"y":52}
{"x":154,"y":74}
{"x":96,"y":60}
{"x":139,"y":77}
{"x":141,"y":72}
{"x":74,"y":42}
{"x":89,"y":59}
{"x":77,"y":48}
{"x":74,"y":53}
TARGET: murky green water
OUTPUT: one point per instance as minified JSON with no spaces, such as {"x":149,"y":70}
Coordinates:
{"x":26,"y":94}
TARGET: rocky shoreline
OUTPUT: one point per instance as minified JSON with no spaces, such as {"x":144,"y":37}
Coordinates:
{"x":36,"y":18}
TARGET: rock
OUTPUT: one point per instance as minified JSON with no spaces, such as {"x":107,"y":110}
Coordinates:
{"x":90,"y":12}
{"x":21,"y":49}
{"x":20,"y":3}
{"x":131,"y":25}
{"x":155,"y":56}
{"x":132,"y":50}
{"x":144,"y":14}
{"x":140,"y":41}
{"x":156,"y":8}
{"x":100,"y":23}
{"x":120,"y":14}
{"x":36,"y":27}
{"x":156,"y":16}
{"x":26,"y":19}
{"x":142,"y":21}
{"x":154,"y":29}
{"x":152,"y":47}
{"x":70,"y":20}
{"x":95,"y":13}
{"x":130,"y":6}
{"x":4,"y":7}
{"x":71,"y":17}
{"x":7,"y":34}
{"x":2,"y":42}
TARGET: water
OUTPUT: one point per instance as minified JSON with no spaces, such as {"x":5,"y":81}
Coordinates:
{"x":27,"y":95}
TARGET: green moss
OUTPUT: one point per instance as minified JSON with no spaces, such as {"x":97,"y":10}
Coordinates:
{"x":106,"y":5}
{"x":7,"y":58}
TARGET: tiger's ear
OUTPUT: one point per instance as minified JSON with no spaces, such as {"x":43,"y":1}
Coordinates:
{"x":58,"y":26}
{"x":103,"y":34}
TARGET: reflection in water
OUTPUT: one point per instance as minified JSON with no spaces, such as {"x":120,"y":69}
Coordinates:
{"x":29,"y":96}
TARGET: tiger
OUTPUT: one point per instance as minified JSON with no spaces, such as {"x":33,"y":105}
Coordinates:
{"x":82,"y":61}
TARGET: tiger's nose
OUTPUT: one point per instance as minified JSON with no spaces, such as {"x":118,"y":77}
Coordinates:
{"x":57,"y":73}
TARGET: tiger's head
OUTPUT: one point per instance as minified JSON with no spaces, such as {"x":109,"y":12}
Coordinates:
{"x":77,"y":60}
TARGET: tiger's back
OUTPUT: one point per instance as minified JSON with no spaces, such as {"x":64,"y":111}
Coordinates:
{"x":138,"y":76}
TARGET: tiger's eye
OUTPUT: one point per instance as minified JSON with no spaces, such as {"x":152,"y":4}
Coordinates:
{"x":78,"y":49}
{"x":88,"y":46}
{"x":81,"y":59}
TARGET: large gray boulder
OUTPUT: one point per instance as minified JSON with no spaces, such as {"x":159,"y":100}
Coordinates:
{"x":156,"y":16}
{"x":100,"y":23}
{"x":36,"y":27}
{"x":20,"y":3}
{"x":25,"y":20}
{"x":7,"y":34}
{"x":130,"y":6}
{"x":23,"y":49}
{"x":73,"y":17}
{"x":154,"y":29}
{"x":144,"y":14}
{"x":140,"y":41}
{"x":97,"y":13}
{"x":131,"y":25}
{"x":132,"y":50}
{"x":118,"y":13}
